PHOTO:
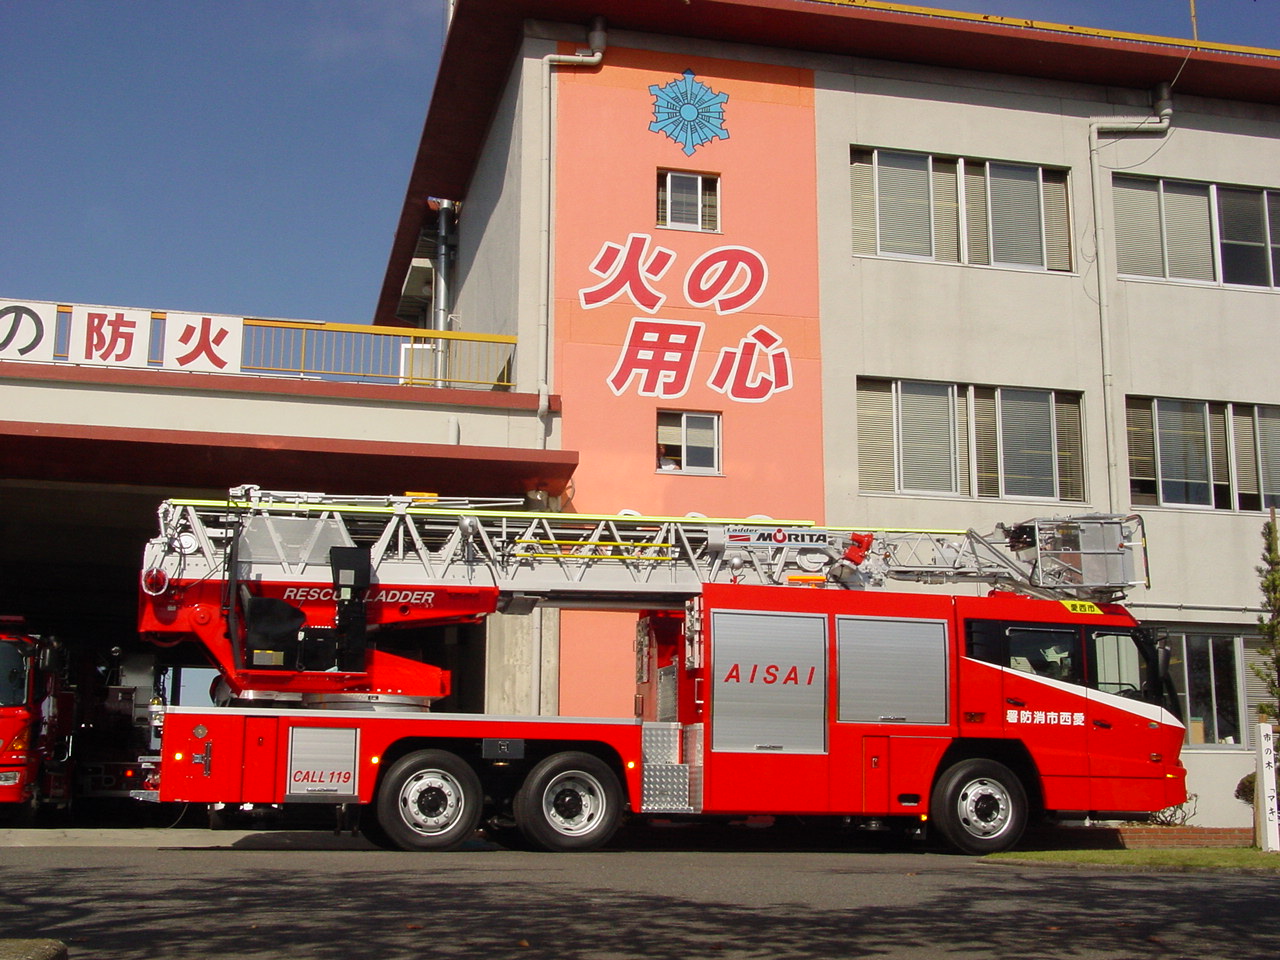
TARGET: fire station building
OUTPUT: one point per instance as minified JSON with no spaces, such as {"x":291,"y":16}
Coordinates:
{"x":880,"y":267}
{"x":846,"y":261}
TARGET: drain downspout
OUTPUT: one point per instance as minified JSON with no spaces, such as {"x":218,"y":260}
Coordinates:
{"x":1158,"y":123}
{"x":597,"y":40}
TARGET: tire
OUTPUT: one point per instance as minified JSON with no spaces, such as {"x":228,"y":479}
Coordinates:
{"x":979,"y":807}
{"x":429,"y":800}
{"x":569,"y":802}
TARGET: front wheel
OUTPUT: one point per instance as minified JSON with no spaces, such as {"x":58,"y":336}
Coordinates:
{"x":569,"y":801}
{"x":979,"y":807}
{"x":429,"y":800}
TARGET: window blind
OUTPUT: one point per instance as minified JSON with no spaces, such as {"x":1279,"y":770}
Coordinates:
{"x":1183,"y":452}
{"x":1244,"y":439}
{"x":1188,"y":232}
{"x":977,"y":236}
{"x":946,"y":211}
{"x":1026,"y":420}
{"x":862,"y":200}
{"x":902,"y":185}
{"x":1070,"y":446}
{"x":1140,"y":419}
{"x":986,"y":435}
{"x":1137,"y":214}
{"x":1269,"y":448}
{"x":875,"y":435}
{"x":926,"y":441}
{"x":700,"y":441}
{"x":1016,"y":236}
{"x":1057,"y":220}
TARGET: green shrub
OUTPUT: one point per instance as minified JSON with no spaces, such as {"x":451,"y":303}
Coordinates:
{"x":1245,"y":788}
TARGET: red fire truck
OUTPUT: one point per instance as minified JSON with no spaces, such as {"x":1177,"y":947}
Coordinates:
{"x":73,"y":720}
{"x":775,"y":675}
{"x":35,"y":722}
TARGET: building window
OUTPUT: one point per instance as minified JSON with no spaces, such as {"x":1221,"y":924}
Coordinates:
{"x":688,"y":442}
{"x":1205,"y":670}
{"x":688,"y":201}
{"x":959,"y":210}
{"x":1194,"y":453}
{"x":918,"y":436}
{"x":1178,"y":230}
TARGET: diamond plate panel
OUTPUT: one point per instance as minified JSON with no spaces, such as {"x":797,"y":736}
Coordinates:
{"x":665,"y":788}
{"x":661,"y":743}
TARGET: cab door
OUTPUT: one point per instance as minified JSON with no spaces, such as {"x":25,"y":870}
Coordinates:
{"x":1043,"y":701}
{"x":1128,"y":739}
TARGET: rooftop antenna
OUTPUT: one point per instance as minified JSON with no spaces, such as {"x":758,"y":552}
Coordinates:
{"x":1195,"y":27}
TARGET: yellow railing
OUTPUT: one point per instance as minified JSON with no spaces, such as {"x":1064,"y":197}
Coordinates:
{"x":400,"y":355}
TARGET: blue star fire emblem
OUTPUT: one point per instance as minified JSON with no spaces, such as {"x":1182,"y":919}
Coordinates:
{"x":689,"y":112}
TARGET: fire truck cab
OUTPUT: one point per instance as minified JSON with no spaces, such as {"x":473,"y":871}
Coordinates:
{"x":36,"y":711}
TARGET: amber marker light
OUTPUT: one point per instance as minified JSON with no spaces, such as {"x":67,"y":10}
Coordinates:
{"x":631,"y":764}
{"x":178,"y":756}
{"x":375,"y":760}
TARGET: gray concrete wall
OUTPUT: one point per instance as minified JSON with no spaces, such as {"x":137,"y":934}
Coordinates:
{"x":522,"y":664}
{"x":220,"y":411}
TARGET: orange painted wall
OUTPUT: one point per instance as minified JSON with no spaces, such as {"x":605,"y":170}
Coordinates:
{"x":607,"y":161}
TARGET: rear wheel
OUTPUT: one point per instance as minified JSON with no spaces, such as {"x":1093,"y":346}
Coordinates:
{"x":569,"y":801}
{"x":429,"y":800}
{"x":979,"y":806}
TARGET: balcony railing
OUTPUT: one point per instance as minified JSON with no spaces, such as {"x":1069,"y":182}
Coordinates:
{"x":348,"y":352}
{"x":42,"y":332}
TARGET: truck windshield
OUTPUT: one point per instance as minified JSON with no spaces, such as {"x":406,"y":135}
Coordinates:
{"x":13,"y":676}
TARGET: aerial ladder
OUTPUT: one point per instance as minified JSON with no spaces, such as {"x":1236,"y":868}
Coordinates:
{"x":297,"y":594}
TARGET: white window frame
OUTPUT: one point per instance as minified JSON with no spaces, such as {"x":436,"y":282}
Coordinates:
{"x":666,"y":221}
{"x":1179,"y":674}
{"x":684,"y":429}
{"x":1270,"y":243}
{"x":1264,"y":455}
{"x":963,"y":466}
{"x":963,"y":168}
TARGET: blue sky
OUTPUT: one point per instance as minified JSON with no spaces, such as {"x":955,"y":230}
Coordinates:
{"x":250,"y":158}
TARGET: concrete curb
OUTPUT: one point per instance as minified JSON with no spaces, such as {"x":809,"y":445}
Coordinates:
{"x":33,"y":950}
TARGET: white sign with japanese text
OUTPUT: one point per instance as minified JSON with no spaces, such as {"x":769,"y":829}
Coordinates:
{"x":28,"y":331}
{"x":1264,"y":796}
{"x":196,"y":342}
{"x":109,"y":336}
{"x":120,"y":337}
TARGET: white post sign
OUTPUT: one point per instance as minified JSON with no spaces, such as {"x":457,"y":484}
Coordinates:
{"x":1264,"y":795}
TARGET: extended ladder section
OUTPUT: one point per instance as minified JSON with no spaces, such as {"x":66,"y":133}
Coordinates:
{"x":567,"y":559}
{"x":1096,"y":557}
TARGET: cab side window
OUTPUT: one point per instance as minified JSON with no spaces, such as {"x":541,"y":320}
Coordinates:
{"x":1044,"y":650}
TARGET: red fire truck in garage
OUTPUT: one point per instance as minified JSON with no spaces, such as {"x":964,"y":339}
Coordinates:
{"x":73,"y":720}
{"x":774,"y":673}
